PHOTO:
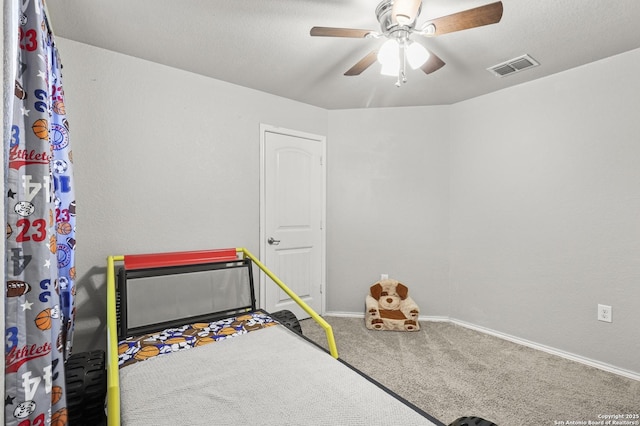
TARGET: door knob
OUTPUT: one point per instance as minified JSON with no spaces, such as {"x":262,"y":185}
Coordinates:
{"x":273,"y":241}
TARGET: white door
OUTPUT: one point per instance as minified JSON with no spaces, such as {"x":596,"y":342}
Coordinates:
{"x":292,"y":216}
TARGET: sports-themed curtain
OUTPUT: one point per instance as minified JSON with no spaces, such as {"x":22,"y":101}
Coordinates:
{"x":40,"y":230}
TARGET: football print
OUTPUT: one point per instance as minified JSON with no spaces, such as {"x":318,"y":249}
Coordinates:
{"x":17,"y":288}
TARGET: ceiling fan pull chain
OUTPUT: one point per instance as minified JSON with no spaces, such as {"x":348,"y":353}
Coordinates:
{"x":402,"y":74}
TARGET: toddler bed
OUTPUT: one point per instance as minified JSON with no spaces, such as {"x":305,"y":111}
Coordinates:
{"x":187,"y":345}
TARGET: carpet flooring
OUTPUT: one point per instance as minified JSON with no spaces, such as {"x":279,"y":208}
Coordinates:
{"x":451,"y":371}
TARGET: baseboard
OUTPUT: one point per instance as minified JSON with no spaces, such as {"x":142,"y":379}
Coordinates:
{"x":550,"y":350}
{"x":361,"y":315}
{"x":344,"y":314}
{"x":553,"y":351}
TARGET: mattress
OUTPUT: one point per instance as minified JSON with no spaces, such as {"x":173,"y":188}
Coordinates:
{"x":269,"y":376}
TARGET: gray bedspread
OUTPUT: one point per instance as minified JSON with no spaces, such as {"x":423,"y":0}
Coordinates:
{"x":267,"y":377}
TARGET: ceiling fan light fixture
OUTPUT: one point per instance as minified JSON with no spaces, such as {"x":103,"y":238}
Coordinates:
{"x":417,"y":55}
{"x":389,"y":53}
{"x":392,"y":70}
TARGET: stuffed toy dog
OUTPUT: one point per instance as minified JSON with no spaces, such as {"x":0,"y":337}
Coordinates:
{"x":389,"y":307}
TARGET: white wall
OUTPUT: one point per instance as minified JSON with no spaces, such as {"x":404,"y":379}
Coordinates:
{"x":545,"y":210}
{"x":165,"y":160}
{"x":387,"y":206}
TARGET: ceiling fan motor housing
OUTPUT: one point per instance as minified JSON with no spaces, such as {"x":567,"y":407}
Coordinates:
{"x":384,"y":15}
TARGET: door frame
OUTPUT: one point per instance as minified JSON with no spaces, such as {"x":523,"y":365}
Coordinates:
{"x":267,"y":128}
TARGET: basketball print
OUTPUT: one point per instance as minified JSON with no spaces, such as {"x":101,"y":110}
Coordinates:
{"x":58,"y":108}
{"x":227,"y":331}
{"x":200,"y":325}
{"x":146,"y":353}
{"x":59,"y":418}
{"x":41,"y":128}
{"x":203,"y":341}
{"x":175,"y":341}
{"x":59,"y":136}
{"x":244,"y":318}
{"x":43,"y":319}
{"x":64,"y":228}
{"x":9,"y":230}
{"x":56,"y":394}
{"x":122,"y":348}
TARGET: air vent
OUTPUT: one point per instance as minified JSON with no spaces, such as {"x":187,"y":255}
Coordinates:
{"x":513,"y":66}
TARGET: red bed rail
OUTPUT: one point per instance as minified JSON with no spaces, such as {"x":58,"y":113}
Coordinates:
{"x":158,"y":260}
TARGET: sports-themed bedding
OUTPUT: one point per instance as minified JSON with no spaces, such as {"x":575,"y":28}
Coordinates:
{"x":188,"y":336}
{"x":243,"y":368}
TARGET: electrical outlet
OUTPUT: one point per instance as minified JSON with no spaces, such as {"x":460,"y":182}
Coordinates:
{"x":605,"y":313}
{"x":384,"y":277}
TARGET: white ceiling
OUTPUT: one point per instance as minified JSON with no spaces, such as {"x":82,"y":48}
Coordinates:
{"x":265,"y":44}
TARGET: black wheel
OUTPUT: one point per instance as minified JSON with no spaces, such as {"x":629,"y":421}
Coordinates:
{"x":472,"y":421}
{"x":288,"y":319}
{"x":86,"y":380}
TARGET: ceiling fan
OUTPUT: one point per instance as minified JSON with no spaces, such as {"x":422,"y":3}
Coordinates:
{"x":398,"y":22}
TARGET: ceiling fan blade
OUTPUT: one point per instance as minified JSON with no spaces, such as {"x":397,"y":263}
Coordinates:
{"x":405,"y":12}
{"x":339,"y":32}
{"x":434,"y":63}
{"x":363,"y":63}
{"x":471,"y":18}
